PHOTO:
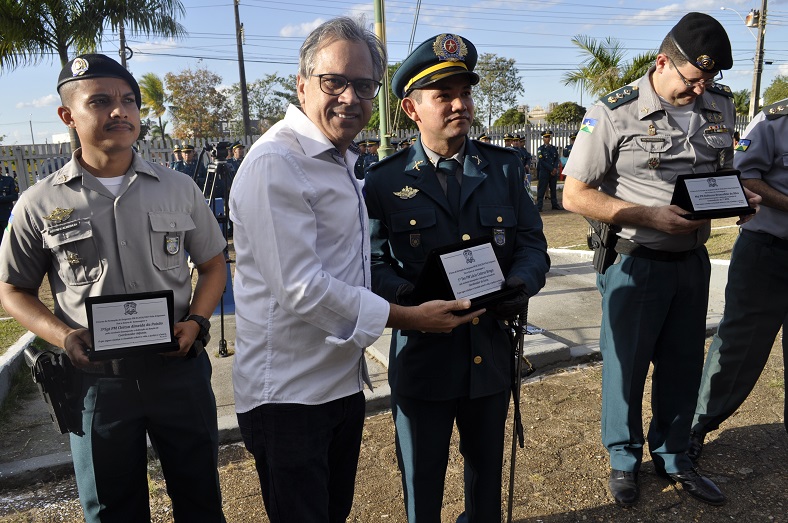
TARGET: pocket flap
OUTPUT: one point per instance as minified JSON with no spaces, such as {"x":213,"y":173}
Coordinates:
{"x":496,"y":216}
{"x":413,"y":219}
{"x":68,"y":232}
{"x":170,"y":221}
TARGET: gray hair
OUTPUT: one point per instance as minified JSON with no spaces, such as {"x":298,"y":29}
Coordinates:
{"x":342,"y":28}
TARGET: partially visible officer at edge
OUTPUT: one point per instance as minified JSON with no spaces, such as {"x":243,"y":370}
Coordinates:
{"x":305,"y":311}
{"x":444,"y":189}
{"x":632,"y":145}
{"x":110,"y":222}
{"x":9,"y":192}
{"x":756,"y":297}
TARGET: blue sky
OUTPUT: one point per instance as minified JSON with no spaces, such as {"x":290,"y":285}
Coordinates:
{"x":537,"y":34}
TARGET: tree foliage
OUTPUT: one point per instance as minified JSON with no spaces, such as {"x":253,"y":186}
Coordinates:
{"x":567,"y":113}
{"x":397,"y":117}
{"x":197,"y":106}
{"x":499,"y":85}
{"x":741,"y":101}
{"x":154,"y":97}
{"x":266,"y":105}
{"x":777,"y":90}
{"x":511,"y":116}
{"x":604,"y":68}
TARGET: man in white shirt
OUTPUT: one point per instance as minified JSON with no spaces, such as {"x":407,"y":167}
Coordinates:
{"x":304,"y":311}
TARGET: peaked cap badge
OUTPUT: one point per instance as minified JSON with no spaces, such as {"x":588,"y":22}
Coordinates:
{"x":449,"y":47}
{"x":406,"y":193}
{"x":704,"y":62}
{"x":79,"y":67}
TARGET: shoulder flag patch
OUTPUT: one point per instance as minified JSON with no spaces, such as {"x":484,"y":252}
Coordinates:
{"x":742,"y":145}
{"x":588,"y":125}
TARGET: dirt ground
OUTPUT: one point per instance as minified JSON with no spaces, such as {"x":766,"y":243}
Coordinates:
{"x":560,"y":475}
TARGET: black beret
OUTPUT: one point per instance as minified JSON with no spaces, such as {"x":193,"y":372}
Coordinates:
{"x":703,"y":42}
{"x":87,"y":66}
{"x":439,"y":57}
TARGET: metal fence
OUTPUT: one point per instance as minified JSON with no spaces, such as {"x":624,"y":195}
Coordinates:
{"x":30,"y":163}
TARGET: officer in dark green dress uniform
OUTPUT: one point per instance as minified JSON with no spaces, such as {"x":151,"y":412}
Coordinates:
{"x":547,"y":171}
{"x":444,"y":189}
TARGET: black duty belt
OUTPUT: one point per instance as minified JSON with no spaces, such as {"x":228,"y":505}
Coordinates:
{"x":631,"y":248}
{"x":139,"y":366}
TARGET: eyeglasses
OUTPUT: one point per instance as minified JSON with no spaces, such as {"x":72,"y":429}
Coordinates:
{"x":696,"y":83}
{"x":335,"y":84}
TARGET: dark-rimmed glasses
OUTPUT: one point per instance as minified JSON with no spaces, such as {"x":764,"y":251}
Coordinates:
{"x":696,"y":83}
{"x":335,"y":84}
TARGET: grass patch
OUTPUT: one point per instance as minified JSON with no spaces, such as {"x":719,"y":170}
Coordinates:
{"x":21,"y":386}
{"x":10,"y":332}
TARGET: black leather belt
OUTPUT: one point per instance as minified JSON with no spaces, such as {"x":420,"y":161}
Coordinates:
{"x":139,"y":366}
{"x":631,"y":248}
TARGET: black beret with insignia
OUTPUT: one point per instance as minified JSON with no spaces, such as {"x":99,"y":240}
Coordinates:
{"x":87,"y":66}
{"x":703,"y":42}
{"x":439,"y":57}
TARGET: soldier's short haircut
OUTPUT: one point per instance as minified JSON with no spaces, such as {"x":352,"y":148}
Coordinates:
{"x":341,"y":28}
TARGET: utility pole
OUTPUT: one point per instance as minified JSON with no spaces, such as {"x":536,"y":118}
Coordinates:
{"x":758,"y":70}
{"x":239,"y":31}
{"x":383,"y":97}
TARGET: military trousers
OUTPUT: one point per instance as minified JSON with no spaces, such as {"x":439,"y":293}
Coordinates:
{"x":756,"y":305}
{"x":175,"y":407}
{"x":653,"y":312}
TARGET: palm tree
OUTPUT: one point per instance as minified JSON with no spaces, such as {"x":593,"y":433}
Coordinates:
{"x":604,"y":70}
{"x":154,"y":97}
{"x":741,"y":101}
{"x":31,"y":31}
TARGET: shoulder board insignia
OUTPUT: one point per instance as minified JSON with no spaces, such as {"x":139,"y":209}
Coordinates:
{"x":620,"y":96}
{"x":776,"y":110}
{"x":724,"y":90}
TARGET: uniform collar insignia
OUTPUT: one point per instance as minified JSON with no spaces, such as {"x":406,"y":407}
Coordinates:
{"x":406,"y":193}
{"x":478,"y":160}
{"x":417,"y":163}
{"x":59,"y":215}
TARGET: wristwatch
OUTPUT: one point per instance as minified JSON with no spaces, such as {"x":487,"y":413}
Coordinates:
{"x":205,"y":325}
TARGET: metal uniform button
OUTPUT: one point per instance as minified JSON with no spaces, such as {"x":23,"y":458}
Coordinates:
{"x":466,"y":237}
{"x":172,"y":225}
{"x":499,"y":219}
{"x":477,"y":360}
{"x":475,"y":321}
{"x":123,"y":243}
{"x":413,"y":222}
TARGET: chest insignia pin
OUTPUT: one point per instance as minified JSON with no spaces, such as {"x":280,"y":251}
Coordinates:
{"x":59,"y":215}
{"x":406,"y":193}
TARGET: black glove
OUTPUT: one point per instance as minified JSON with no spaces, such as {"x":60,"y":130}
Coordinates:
{"x":511,"y":307}
{"x":404,"y":294}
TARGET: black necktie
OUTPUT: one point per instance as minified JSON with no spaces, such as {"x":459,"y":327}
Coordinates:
{"x":449,"y":168}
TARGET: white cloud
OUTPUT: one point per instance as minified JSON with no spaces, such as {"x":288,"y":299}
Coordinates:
{"x":50,"y":100}
{"x":147,"y":51}
{"x":301,"y":29}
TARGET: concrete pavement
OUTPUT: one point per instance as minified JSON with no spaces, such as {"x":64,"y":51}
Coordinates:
{"x":565,"y":318}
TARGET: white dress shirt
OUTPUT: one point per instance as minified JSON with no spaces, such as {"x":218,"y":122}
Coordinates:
{"x":304,"y":311}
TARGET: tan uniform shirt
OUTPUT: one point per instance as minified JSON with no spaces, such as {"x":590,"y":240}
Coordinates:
{"x":91,"y":243}
{"x":634,"y":151}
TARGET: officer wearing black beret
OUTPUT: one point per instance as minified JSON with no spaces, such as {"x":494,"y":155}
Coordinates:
{"x":631,"y":147}
{"x":111,"y":224}
{"x":444,"y":189}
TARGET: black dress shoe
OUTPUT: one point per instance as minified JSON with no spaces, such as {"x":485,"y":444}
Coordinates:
{"x":624,"y":487}
{"x":696,"y":485}
{"x":557,"y":208}
{"x":695,"y":448}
